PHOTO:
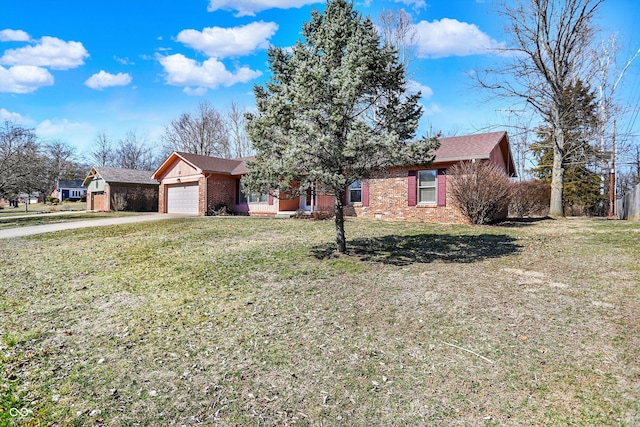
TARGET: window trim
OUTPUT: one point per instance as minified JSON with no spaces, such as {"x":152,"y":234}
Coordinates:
{"x":434,"y":185}
{"x":351,"y":188}
{"x":252,"y":197}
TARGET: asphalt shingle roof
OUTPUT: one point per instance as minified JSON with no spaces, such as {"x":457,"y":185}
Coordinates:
{"x":216,"y":164}
{"x":125,"y":176}
{"x":70,"y":183}
{"x":452,"y":149}
{"x":468,"y":147}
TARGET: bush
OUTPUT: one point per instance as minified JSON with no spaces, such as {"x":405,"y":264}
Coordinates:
{"x":481,"y":190}
{"x":530,"y":198}
{"x":220,"y":209}
{"x":118,"y":202}
{"x":50,"y":199}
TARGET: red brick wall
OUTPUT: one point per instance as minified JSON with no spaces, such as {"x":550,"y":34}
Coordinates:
{"x":221,"y":190}
{"x":162,"y":193}
{"x":388,"y":195}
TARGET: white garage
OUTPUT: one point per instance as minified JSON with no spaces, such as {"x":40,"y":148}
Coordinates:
{"x":183,"y":199}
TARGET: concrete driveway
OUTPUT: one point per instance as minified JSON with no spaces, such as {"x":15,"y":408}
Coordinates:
{"x":49,"y":228}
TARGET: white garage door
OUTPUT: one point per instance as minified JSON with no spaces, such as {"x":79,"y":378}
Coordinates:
{"x":182,"y":199}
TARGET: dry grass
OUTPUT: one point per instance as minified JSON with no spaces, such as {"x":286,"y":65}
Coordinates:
{"x":40,"y":208}
{"x":236,"y":321}
{"x":12,"y":221}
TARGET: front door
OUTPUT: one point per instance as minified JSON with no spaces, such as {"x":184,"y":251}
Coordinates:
{"x":305,"y":201}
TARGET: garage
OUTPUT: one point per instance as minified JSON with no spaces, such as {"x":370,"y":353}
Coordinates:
{"x":183,"y":199}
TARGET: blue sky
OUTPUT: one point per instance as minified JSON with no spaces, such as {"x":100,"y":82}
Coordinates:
{"x":74,"y":68}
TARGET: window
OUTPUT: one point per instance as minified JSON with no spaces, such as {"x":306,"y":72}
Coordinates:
{"x":355,"y":192}
{"x":252,"y":197}
{"x":257,"y":198}
{"x":427,"y":185}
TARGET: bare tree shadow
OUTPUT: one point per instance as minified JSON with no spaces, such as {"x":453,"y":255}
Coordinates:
{"x":425,"y":248}
{"x":521,"y":222}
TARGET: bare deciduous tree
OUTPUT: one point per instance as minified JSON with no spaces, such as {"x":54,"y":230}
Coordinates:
{"x":59,"y":162}
{"x":551,"y":49}
{"x":102,"y":151}
{"x":133,"y":152}
{"x":204,"y":133}
{"x":240,"y":146}
{"x":19,"y":159}
{"x":397,"y":29}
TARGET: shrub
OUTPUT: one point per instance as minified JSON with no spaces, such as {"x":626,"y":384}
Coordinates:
{"x":481,"y":190}
{"x":530,"y":198}
{"x":220,"y":209}
{"x":118,"y":202}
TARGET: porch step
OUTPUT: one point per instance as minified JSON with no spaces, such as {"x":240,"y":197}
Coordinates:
{"x":285,"y":214}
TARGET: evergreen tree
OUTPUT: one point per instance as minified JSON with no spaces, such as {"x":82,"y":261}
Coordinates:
{"x":334,"y":111}
{"x":581,"y":154}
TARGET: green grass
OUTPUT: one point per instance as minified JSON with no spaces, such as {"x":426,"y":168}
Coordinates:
{"x":40,"y":208}
{"x":236,"y":321}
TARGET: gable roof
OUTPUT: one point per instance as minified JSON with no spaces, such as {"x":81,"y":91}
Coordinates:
{"x":452,"y":149}
{"x":120,"y":176}
{"x":206,"y":164}
{"x":212,"y":164}
{"x":475,"y":147}
{"x":70,"y":183}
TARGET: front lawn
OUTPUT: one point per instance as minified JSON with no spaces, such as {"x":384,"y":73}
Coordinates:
{"x":241,"y":321}
{"x":7,"y":211}
{"x":31,"y":220}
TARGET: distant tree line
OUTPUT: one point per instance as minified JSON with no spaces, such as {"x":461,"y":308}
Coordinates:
{"x":207,"y":131}
{"x":29,"y":165}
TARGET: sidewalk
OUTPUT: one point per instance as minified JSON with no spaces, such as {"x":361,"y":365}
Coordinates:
{"x":50,"y":228}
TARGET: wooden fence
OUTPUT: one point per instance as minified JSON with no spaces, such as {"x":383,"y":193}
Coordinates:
{"x":629,"y":205}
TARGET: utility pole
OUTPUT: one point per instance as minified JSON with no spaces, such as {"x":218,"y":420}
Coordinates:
{"x":612,"y":173}
{"x":520,"y":146}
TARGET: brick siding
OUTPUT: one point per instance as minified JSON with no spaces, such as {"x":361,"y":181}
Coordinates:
{"x":388,"y":200}
{"x":221,"y":191}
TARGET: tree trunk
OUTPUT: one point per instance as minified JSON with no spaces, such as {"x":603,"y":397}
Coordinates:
{"x":341,"y":241}
{"x":556,"y":208}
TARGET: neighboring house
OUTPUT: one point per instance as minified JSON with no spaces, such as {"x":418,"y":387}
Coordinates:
{"x":69,"y":189}
{"x":115,"y":189}
{"x":197,"y":185}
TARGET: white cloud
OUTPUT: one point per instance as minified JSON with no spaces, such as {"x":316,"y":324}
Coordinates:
{"x":431,"y":109}
{"x":220,"y":42}
{"x":182,"y":71}
{"x":251,"y":7}
{"x":198,"y":91}
{"x":6,"y":115}
{"x":24,"y":78}
{"x":415,"y":87}
{"x":62,"y":128}
{"x":103,"y":79}
{"x":450,"y":37}
{"x":50,"y":52}
{"x":8,"y":35}
{"x":124,"y":61}
{"x":416,"y":4}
